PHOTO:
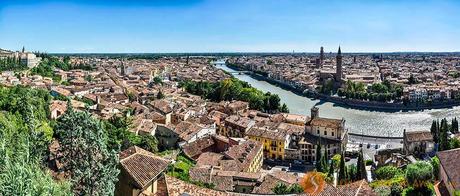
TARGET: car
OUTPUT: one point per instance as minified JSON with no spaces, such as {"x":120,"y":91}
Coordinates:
{"x":297,"y":162}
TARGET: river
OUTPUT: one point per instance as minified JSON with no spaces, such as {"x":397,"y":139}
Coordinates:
{"x":357,"y":121}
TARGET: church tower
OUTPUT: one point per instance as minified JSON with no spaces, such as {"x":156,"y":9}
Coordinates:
{"x":314,"y":112}
{"x":321,"y":56}
{"x":122,"y":68}
{"x":338,"y":75}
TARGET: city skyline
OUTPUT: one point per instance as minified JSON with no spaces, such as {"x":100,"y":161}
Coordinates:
{"x":219,"y":27}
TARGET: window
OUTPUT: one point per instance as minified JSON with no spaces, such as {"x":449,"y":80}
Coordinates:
{"x":317,"y":131}
{"x":325,"y":132}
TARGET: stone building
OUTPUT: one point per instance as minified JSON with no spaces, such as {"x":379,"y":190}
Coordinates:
{"x":140,"y":172}
{"x":449,"y":173}
{"x":417,"y":142}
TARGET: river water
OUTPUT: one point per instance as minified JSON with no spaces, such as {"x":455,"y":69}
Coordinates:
{"x":357,"y":121}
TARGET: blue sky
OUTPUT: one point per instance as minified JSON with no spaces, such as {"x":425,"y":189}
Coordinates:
{"x":230,"y":26}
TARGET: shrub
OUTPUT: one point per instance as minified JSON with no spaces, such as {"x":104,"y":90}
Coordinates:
{"x":435,"y":163}
{"x":387,"y":172}
{"x":369,"y":162}
{"x":383,"y":190}
{"x":419,"y":174}
{"x":396,"y":189}
{"x":415,"y":191}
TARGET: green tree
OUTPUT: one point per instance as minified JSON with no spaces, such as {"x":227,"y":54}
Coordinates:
{"x":324,"y":160}
{"x":295,"y":189}
{"x":342,"y":170}
{"x":274,"y":103}
{"x":435,"y":131}
{"x":280,"y":189}
{"x":92,"y":167}
{"x":330,"y":173}
{"x":454,"y":143}
{"x":454,"y":129}
{"x":419,"y":174}
{"x":435,"y":164}
{"x":319,"y":163}
{"x":443,"y":138}
{"x":160,"y":95}
{"x":120,"y":138}
{"x":387,"y":172}
{"x":21,"y":172}
{"x":361,"y":167}
{"x":284,"y":108}
{"x":157,"y":80}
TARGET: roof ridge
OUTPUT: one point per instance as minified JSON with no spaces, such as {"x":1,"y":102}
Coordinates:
{"x":359,"y":188}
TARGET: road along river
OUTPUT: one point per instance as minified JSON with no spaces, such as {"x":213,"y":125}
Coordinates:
{"x":357,"y":121}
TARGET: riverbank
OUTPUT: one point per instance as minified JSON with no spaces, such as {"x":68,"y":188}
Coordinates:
{"x":351,"y":103}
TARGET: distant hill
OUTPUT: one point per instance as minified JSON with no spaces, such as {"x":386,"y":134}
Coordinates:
{"x":5,"y":51}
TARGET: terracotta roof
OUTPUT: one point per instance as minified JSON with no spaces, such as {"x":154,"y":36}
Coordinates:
{"x":239,"y":121}
{"x":413,"y":136}
{"x":272,"y":179}
{"x":58,"y":105}
{"x":297,"y":118}
{"x":291,"y":129}
{"x":162,"y":105}
{"x":205,"y":175}
{"x":142,"y":166}
{"x":178,"y":187}
{"x":61,"y":91}
{"x":200,"y":174}
{"x":450,"y":161}
{"x":267,"y":185}
{"x":244,"y":153}
{"x":284,"y":176}
{"x":326,"y":122}
{"x":186,"y":130}
{"x":351,"y":189}
{"x":196,"y":148}
{"x":273,"y":134}
{"x":223,"y":183}
{"x":209,"y":158}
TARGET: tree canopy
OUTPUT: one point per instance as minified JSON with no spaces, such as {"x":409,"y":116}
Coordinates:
{"x":25,"y":133}
{"x":86,"y":158}
{"x":234,"y":89}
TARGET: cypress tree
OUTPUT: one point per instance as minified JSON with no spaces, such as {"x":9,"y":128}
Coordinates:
{"x":331,"y":169}
{"x":454,"y":127}
{"x":443,"y":140}
{"x":361,"y":167}
{"x":319,"y":163}
{"x":434,"y":131}
{"x":342,"y":170}
{"x":325,"y":159}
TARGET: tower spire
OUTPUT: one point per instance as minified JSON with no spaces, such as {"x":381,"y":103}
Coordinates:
{"x":338,"y":75}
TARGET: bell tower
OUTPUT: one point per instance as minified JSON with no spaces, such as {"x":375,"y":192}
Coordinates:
{"x":338,"y":75}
